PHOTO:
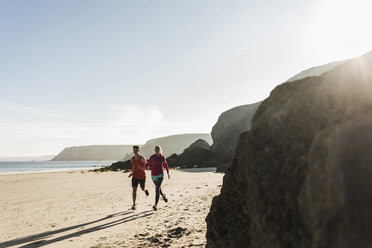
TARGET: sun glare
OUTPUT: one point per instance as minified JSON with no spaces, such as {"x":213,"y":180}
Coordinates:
{"x":340,"y":29}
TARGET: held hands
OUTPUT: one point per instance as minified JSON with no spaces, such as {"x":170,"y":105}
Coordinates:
{"x":130,"y":174}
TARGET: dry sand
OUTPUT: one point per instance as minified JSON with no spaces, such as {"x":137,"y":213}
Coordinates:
{"x":88,"y":209}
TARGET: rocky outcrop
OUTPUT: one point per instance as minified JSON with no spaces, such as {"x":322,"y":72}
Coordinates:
{"x":200,"y":143}
{"x":263,"y":198}
{"x":233,"y":122}
{"x":120,"y":165}
{"x":222,"y":167}
{"x":197,"y":154}
{"x":230,"y":125}
{"x":315,"y":71}
{"x":336,"y":199}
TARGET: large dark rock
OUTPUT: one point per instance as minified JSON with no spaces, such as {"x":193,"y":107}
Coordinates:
{"x":197,"y":154}
{"x":120,"y":165}
{"x":233,"y":122}
{"x":200,"y":143}
{"x":230,"y":125}
{"x":259,"y":201}
{"x":222,"y":167}
{"x":336,"y":199}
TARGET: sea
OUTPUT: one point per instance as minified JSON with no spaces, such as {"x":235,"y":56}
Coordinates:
{"x":49,"y":166}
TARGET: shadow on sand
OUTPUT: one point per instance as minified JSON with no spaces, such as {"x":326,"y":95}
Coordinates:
{"x":39,"y":240}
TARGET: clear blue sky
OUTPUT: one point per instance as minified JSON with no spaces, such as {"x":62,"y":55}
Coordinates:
{"x":121,"y":72}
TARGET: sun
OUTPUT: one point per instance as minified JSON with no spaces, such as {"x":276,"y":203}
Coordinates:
{"x":339,"y":29}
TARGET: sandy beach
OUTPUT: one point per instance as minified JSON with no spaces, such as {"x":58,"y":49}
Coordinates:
{"x":88,"y":209}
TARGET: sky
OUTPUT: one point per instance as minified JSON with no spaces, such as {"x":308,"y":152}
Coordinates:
{"x":87,"y":72}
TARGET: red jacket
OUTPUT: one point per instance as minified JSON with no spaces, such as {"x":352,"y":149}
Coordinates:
{"x":157,"y":162}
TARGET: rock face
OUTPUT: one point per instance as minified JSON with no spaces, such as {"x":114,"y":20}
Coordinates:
{"x":197,"y":154}
{"x":230,"y":125}
{"x":233,"y":122}
{"x":315,"y":71}
{"x":264,"y":201}
{"x":200,"y":143}
{"x":336,"y":199}
{"x":222,"y":167}
{"x":121,"y":165}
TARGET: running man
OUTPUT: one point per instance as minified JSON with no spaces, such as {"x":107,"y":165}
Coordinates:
{"x":157,"y":161}
{"x":138,"y":173}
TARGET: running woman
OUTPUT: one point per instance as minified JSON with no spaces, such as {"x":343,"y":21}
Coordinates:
{"x":157,"y":161}
{"x":138,"y":173}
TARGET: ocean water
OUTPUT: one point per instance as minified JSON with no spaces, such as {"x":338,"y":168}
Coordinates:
{"x":47,"y":166}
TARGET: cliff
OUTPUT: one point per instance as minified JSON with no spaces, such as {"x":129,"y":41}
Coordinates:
{"x":230,"y":125}
{"x":198,"y":154}
{"x":95,"y":152}
{"x":170,"y":144}
{"x":271,"y":194}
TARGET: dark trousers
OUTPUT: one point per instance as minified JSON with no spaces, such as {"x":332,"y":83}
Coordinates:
{"x":158,"y":189}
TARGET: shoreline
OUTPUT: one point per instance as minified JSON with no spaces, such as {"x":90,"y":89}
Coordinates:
{"x":88,"y":169}
{"x":85,"y":169}
{"x":21,"y":167}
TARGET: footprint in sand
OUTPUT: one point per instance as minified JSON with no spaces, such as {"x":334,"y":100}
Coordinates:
{"x":176,"y":232}
{"x":153,"y":240}
{"x":143,"y":234}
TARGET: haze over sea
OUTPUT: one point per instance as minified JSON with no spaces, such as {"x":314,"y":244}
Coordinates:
{"x":14,"y":167}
